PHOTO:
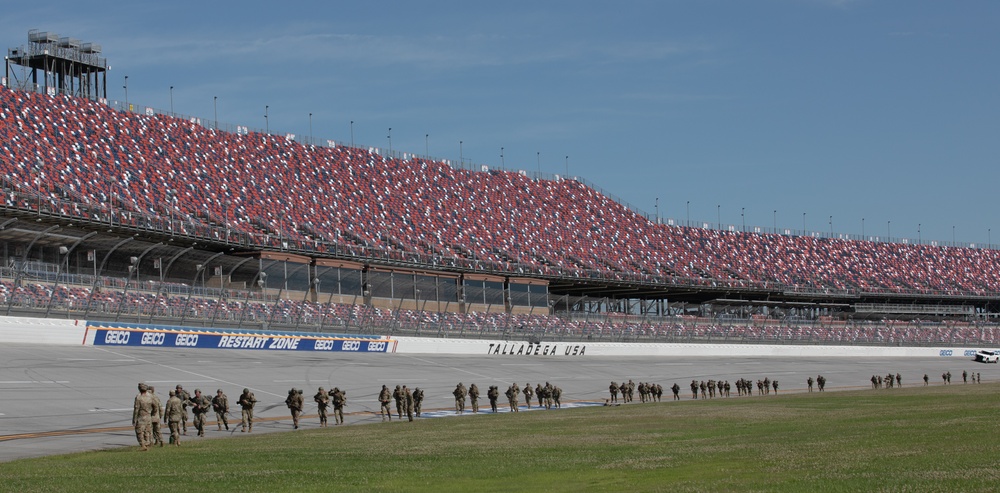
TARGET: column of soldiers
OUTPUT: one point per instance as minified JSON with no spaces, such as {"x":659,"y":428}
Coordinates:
{"x":148,"y":411}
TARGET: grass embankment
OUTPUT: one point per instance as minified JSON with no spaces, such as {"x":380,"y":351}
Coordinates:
{"x":913,"y":439}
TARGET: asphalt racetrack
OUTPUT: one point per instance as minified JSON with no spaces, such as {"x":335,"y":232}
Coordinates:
{"x":61,"y":399}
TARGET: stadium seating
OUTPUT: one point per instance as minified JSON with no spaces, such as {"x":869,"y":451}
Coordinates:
{"x":271,"y":189}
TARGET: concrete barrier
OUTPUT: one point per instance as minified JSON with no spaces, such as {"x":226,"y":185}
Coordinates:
{"x":493,"y":348}
{"x":74,"y":332}
{"x":42,"y":331}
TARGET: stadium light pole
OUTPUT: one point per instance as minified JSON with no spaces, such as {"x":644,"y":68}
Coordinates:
{"x":567,"y":166}
{"x":989,"y":237}
{"x":743,"y":218}
{"x":389,"y":136}
{"x":888,"y":230}
{"x":126,"y":93}
{"x":953,"y":235}
{"x":37,"y":168}
{"x":687,"y":208}
{"x":461,"y":155}
{"x":310,"y":129}
{"x":215,"y":106}
{"x":503,"y":164}
{"x":774,"y":220}
{"x":352,"y":133}
{"x":657,"y":207}
{"x":427,"y":151}
{"x":862,"y":229}
{"x":718,"y":214}
{"x":171,"y":100}
{"x":919,"y":239}
{"x":267,"y":125}
{"x":538,"y":161}
{"x":831,"y":226}
{"x":803,"y":224}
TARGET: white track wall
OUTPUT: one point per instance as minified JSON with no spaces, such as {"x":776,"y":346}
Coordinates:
{"x":29,"y":330}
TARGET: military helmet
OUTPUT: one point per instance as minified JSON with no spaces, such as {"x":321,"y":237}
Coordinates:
{"x":143,"y":387}
{"x":321,"y":389}
{"x":245,"y":391}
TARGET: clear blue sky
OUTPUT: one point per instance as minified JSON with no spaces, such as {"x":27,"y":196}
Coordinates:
{"x":882,"y":110}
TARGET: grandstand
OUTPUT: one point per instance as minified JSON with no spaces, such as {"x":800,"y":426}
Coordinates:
{"x":127,"y":213}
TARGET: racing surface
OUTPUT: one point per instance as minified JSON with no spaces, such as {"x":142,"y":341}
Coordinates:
{"x":61,"y":399}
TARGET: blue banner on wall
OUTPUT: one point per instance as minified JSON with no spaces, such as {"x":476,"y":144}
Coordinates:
{"x":210,"y":339}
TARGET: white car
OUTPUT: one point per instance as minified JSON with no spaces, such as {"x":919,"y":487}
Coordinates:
{"x":983,"y":356}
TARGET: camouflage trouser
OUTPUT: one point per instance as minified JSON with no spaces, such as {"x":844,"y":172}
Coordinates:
{"x":475,"y":404}
{"x":386,"y":413}
{"x":460,"y":405}
{"x":416,"y":407}
{"x":199,"y":423}
{"x":222,"y":419}
{"x":322,"y":415}
{"x":144,"y":433}
{"x":295,"y":417}
{"x":157,"y":437}
{"x":175,"y":432}
{"x":338,"y":415}
{"x":247,"y":419}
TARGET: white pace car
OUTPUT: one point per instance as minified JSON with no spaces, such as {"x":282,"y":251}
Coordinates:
{"x":983,"y":356}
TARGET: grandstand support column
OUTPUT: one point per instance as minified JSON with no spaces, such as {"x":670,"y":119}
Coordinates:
{"x":164,"y":272}
{"x":99,"y":270}
{"x":222,"y":298}
{"x":314,"y":286}
{"x":133,"y":266}
{"x":284,"y":283}
{"x":198,"y":270}
{"x":65,"y":261}
{"x":259,"y":281}
{"x":24,"y":259}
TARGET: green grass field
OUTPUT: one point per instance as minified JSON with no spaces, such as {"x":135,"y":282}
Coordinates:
{"x":913,"y":439}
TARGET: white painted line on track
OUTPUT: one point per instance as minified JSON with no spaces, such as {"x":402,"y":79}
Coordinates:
{"x":33,"y":381}
{"x":102,"y":410}
{"x":234,"y":384}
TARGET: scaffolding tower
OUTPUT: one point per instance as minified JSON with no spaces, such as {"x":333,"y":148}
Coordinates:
{"x":57,"y":65}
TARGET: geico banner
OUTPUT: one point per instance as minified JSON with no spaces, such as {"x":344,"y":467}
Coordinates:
{"x":214,"y":340}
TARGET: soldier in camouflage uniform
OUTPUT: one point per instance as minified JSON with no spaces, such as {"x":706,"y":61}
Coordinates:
{"x":142,"y":414}
{"x":157,"y":436}
{"x":556,"y":395}
{"x":172,"y":416}
{"x":339,"y":400}
{"x":322,"y":399}
{"x":408,"y":403}
{"x":459,"y":394}
{"x":246,"y":402}
{"x":548,"y":395}
{"x":613,"y":388}
{"x":201,"y":405}
{"x":493,"y":394}
{"x":185,"y":398}
{"x":538,"y":394}
{"x":418,"y":400}
{"x":220,"y":404}
{"x":397,"y":395}
{"x":528,"y":393}
{"x":295,"y":403}
{"x":474,"y":397}
{"x":384,"y":397}
{"x":676,"y":389}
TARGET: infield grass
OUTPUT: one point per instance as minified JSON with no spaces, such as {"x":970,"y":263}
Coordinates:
{"x":912,"y":439}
